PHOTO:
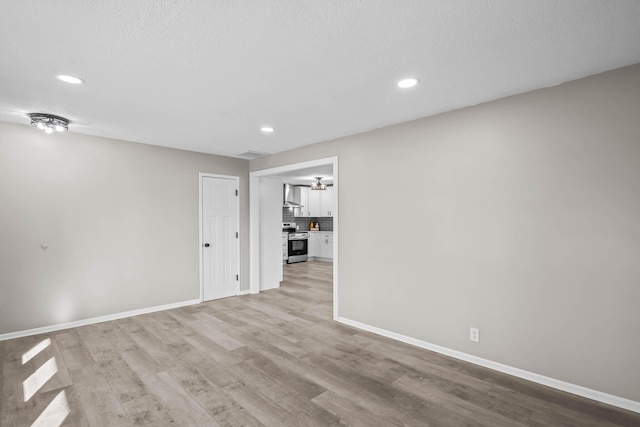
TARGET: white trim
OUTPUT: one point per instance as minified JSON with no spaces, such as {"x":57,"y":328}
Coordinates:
{"x":295,"y":166}
{"x":201,"y":243}
{"x":254,"y":234}
{"x":200,"y":263}
{"x":599,"y":396}
{"x":245,"y":292}
{"x":336,"y":215}
{"x":93,"y":320}
{"x":254,"y":219}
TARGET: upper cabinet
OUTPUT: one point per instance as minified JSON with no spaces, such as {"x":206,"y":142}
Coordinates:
{"x":326,"y":201}
{"x":321,"y":202}
{"x":315,"y":203}
{"x":301,"y":195}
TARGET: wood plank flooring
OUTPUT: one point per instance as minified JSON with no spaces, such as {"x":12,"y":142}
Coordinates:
{"x":274,"y":359}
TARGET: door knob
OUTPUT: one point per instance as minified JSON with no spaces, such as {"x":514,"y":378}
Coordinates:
{"x":206,"y":245}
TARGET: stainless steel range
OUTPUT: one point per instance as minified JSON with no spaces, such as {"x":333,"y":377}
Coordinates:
{"x":297,"y":243}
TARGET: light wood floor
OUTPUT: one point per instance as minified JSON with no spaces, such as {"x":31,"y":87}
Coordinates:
{"x":272,"y":359}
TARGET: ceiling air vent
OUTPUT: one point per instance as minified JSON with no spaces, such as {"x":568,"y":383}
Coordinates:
{"x":250,"y":155}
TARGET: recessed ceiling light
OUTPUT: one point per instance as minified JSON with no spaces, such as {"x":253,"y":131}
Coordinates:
{"x":70,"y":79}
{"x":267,"y":129}
{"x":407,"y":83}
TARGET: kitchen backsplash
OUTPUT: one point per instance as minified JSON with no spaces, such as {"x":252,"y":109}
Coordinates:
{"x":288,"y":215}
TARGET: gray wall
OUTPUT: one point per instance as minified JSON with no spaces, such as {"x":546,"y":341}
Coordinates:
{"x":120,"y":219}
{"x":527,"y":226}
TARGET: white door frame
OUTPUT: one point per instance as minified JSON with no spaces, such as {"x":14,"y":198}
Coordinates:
{"x":254,"y":220}
{"x":202,"y":175}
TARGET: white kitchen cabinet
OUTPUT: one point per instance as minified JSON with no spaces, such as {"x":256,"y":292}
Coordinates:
{"x":320,"y":202}
{"x":314,"y":203}
{"x":326,"y":202}
{"x":285,"y":246}
{"x":321,"y":245}
{"x":314,"y":245}
{"x":301,"y":195}
{"x":326,"y":245}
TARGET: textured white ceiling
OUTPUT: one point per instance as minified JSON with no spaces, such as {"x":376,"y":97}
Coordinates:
{"x":204,"y":75}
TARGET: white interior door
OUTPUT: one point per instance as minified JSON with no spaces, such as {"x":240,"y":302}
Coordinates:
{"x":220,"y":237}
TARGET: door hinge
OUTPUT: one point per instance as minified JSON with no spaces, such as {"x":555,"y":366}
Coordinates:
{"x":237,"y":277}
{"x":237,"y":234}
{"x":236,"y":192}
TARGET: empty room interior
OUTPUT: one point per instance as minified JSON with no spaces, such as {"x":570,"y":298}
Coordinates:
{"x":192,"y":227}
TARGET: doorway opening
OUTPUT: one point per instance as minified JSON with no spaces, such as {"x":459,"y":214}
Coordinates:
{"x":267,"y":214}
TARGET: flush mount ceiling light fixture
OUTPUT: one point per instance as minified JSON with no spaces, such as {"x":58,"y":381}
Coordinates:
{"x":317,"y":185}
{"x":407,"y":83}
{"x":49,"y":123}
{"x":267,"y":129}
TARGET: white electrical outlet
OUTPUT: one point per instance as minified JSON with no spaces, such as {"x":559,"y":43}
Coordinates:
{"x":474,"y":334}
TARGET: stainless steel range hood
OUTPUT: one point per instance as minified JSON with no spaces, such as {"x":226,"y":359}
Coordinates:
{"x":287,"y":197}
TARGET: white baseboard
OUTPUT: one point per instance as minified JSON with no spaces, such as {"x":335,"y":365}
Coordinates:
{"x":317,"y":258}
{"x":93,"y":320}
{"x":599,"y":396}
{"x":245,"y":292}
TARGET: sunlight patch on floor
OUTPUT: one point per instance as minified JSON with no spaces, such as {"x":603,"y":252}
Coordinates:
{"x":55,"y":413}
{"x":36,"y":380}
{"x":35,"y":350}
